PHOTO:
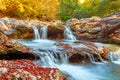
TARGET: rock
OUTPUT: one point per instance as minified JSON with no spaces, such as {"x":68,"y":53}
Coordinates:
{"x":21,"y":32}
{"x":55,"y":32}
{"x":11,"y":49}
{"x":3,"y":27}
{"x":3,"y":38}
{"x":82,"y":52}
{"x":22,"y":29}
{"x":26,"y":70}
{"x":56,"y":23}
{"x":72,"y":21}
{"x":93,"y":29}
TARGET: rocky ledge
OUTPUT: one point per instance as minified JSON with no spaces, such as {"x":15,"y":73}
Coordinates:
{"x":11,"y":49}
{"x":85,"y":52}
{"x":16,"y":63}
{"x":105,"y":29}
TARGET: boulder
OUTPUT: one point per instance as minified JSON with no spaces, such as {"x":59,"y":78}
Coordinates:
{"x":94,"y":28}
{"x":20,"y":32}
{"x":55,"y":30}
{"x":11,"y":49}
{"x":84,"y":52}
{"x":72,"y":21}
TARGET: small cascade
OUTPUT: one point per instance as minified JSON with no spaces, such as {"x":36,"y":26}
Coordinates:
{"x":68,"y":34}
{"x":36,"y":32}
{"x":91,"y":57}
{"x":43,"y":32}
{"x":57,"y":57}
{"x":51,"y":58}
{"x":114,"y":56}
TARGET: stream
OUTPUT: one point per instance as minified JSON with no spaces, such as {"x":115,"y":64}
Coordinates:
{"x":94,"y":71}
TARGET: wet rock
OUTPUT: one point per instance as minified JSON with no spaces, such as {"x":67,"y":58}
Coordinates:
{"x":55,"y":32}
{"x":56,"y":23}
{"x":3,"y":38}
{"x":93,"y":29}
{"x":82,"y":52}
{"x":10,"y":47}
{"x":3,"y":27}
{"x":20,"y":32}
{"x":26,"y":70}
{"x":22,"y":29}
{"x":72,"y":21}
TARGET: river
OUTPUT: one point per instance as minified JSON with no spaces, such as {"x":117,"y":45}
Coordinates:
{"x":93,"y":71}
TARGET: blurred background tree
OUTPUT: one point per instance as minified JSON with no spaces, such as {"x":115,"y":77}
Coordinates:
{"x":57,"y":9}
{"x":41,"y":9}
{"x":67,"y":9}
{"x":87,"y":8}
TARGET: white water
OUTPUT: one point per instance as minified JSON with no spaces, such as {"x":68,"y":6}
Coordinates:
{"x":115,"y":56}
{"x":52,"y":58}
{"x":78,"y":73}
{"x":68,"y":34}
{"x":57,"y":58}
{"x":39,"y":43}
{"x":36,"y":32}
{"x":42,"y":34}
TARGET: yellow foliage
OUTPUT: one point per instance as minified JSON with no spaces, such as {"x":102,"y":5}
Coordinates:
{"x":49,"y":8}
{"x":2,"y":6}
{"x":46,"y":9}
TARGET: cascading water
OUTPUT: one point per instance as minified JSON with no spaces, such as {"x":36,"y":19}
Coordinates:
{"x":115,"y":56}
{"x":36,"y":32}
{"x":52,"y":58}
{"x":42,"y":34}
{"x":91,"y":57}
{"x":68,"y":33}
{"x":56,"y":56}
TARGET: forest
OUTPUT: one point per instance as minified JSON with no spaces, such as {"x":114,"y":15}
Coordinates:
{"x":59,"y":39}
{"x":57,"y":9}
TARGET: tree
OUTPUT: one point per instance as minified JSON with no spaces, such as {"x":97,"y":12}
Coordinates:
{"x":67,"y":9}
{"x":29,"y":8}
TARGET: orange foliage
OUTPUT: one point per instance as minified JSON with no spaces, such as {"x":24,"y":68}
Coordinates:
{"x":29,"y":8}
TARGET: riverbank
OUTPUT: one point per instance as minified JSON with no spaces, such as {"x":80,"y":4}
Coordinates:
{"x":74,"y":42}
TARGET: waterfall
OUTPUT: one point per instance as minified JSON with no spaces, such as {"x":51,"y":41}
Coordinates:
{"x":57,"y":58}
{"x":68,"y":34}
{"x":42,"y":34}
{"x":51,"y":58}
{"x":36,"y":32}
